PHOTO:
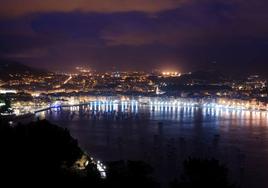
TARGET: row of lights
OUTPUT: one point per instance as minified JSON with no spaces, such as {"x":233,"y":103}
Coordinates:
{"x":171,"y":74}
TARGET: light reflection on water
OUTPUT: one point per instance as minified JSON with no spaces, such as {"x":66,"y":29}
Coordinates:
{"x":165,"y":135}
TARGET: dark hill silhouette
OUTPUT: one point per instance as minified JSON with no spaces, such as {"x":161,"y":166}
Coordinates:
{"x":40,"y":151}
{"x":8,"y":68}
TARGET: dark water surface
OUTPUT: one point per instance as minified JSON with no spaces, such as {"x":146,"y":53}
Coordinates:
{"x":164,"y":136}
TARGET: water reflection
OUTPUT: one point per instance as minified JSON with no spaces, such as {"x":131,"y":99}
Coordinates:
{"x":156,"y":111}
{"x":164,"y":134}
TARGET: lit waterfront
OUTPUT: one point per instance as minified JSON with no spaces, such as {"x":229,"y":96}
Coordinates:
{"x":155,"y":103}
{"x":165,"y":134}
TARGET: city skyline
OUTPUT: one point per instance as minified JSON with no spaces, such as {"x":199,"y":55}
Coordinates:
{"x":136,"y":35}
{"x":134,"y":93}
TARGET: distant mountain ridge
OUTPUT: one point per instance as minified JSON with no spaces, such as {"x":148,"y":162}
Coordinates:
{"x":8,"y":68}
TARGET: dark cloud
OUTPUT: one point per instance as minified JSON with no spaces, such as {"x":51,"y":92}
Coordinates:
{"x":182,"y":34}
{"x":11,"y":8}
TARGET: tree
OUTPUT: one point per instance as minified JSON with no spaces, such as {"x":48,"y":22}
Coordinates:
{"x":208,"y":173}
{"x":130,"y":174}
{"x":39,"y":150}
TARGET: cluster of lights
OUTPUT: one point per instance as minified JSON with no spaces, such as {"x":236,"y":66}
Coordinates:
{"x":242,"y":105}
{"x":171,"y":74}
{"x":98,"y":105}
{"x":173,"y":103}
{"x":223,"y":105}
{"x":101,"y":167}
{"x":171,"y":109}
{"x":23,"y":108}
{"x":83,"y":70}
{"x":5,"y":91}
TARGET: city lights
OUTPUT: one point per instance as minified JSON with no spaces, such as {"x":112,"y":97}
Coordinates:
{"x":172,"y":74}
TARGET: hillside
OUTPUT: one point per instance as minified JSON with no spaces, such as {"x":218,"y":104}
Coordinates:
{"x":8,"y":69}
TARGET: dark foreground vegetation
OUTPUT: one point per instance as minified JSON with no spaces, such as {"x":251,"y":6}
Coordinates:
{"x":41,"y":153}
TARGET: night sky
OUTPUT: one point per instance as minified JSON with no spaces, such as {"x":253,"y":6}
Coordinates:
{"x":186,"y":35}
